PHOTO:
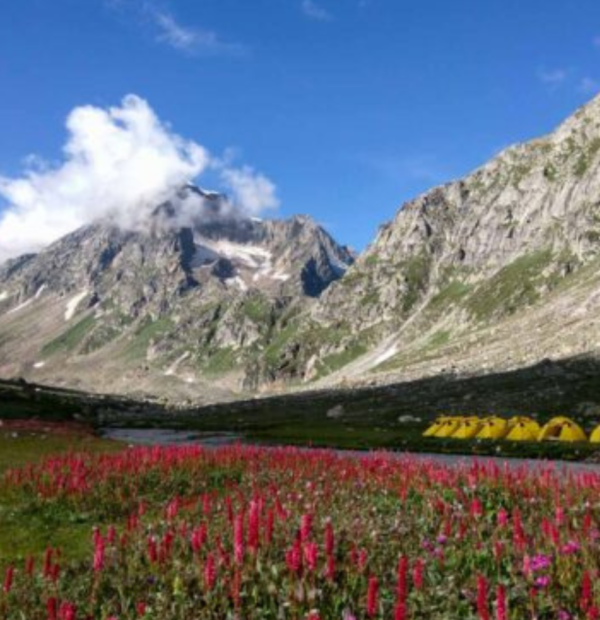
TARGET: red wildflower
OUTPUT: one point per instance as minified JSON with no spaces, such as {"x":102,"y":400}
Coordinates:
{"x":210,"y":572}
{"x":67,"y":611}
{"x":306,"y":522}
{"x":330,"y":570}
{"x":238,"y":538}
{"x":372,"y":596}
{"x":585,"y":599}
{"x":310,"y":555}
{"x":52,"y":609}
{"x":254,"y":525}
{"x":501,"y":609}
{"x":476,"y":508}
{"x":198,"y":538}
{"x":29,"y":565}
{"x":8,"y":579}
{"x":418,"y":574}
{"x":400,"y":611}
{"x":401,"y":586}
{"x":362,"y":559}
{"x":98,"y":551}
{"x":293,"y":557}
{"x":48,"y":562}
{"x":152,"y":550}
{"x":482,"y":608}
{"x":502,"y":518}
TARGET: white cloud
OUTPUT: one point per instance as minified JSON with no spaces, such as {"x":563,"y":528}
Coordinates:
{"x":119,"y":163}
{"x":554,"y":77}
{"x":188,"y":39}
{"x":255,"y":191}
{"x":314,"y":11}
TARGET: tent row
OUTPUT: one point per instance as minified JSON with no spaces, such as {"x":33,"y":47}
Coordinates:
{"x":517,"y":428}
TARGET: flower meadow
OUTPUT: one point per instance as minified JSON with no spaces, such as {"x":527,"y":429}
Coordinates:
{"x":246,"y":533}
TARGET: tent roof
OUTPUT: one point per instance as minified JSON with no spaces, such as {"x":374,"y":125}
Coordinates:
{"x":595,"y":435}
{"x":562,"y":429}
{"x":493,"y":428}
{"x":524,"y":430}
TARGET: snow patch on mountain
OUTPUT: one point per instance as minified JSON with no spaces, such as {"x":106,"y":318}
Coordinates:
{"x":27,"y":302}
{"x":73,"y":303}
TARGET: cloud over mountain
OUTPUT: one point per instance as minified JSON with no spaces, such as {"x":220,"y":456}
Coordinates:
{"x":118,"y":163}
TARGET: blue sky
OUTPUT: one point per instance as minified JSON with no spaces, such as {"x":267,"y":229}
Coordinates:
{"x":349,"y":106}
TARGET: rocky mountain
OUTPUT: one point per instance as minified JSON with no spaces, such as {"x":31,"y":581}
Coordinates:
{"x":495,"y":271}
{"x":170,"y":309}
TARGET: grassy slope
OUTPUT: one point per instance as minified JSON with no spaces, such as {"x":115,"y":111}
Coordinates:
{"x":27,"y":531}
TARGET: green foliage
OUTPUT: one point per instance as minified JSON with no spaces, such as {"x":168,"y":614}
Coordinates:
{"x":512,"y":288}
{"x":352,"y":277}
{"x":221,"y":361}
{"x":451,"y":294}
{"x":69,"y":340}
{"x":101,"y":336}
{"x":372,"y":260}
{"x":370,"y":299}
{"x":550,"y":172}
{"x":586,"y":157}
{"x":147,"y":333}
{"x":416,"y":275}
{"x":282,"y":338}
{"x":438,"y":339}
{"x":257,"y":309}
{"x":336,"y":361}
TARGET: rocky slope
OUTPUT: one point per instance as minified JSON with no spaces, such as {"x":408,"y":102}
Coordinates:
{"x":174,"y":310}
{"x":493,"y":271}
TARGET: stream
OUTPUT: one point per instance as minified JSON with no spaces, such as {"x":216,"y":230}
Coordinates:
{"x":175,"y":437}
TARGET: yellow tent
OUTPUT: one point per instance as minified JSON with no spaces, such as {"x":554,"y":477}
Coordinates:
{"x":468,"y":428}
{"x":595,"y":436}
{"x":435,"y":427}
{"x":449,"y":427}
{"x":493,"y":428}
{"x":562,"y":429}
{"x":523,"y":429}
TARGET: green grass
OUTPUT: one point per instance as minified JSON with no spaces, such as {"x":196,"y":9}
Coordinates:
{"x":145,"y":335}
{"x":514,"y":287}
{"x":416,"y":275}
{"x":257,"y":309}
{"x":71,"y":339}
{"x":438,"y":339}
{"x":282,"y":338}
{"x":221,"y":361}
{"x":452,"y":294}
{"x":26,"y":529}
{"x":336,"y":361}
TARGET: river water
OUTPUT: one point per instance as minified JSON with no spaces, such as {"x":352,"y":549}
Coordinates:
{"x":174,"y":437}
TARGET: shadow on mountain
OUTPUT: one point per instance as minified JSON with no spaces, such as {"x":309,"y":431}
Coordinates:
{"x":570,"y":386}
